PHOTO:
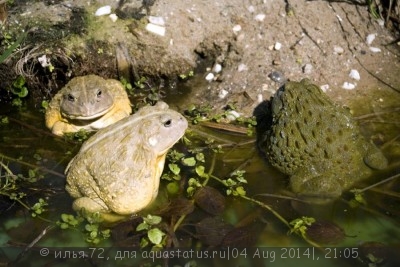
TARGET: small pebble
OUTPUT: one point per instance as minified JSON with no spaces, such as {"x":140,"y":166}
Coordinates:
{"x":232,"y":115}
{"x":156,"y":29}
{"x":242,"y":67}
{"x":354,"y":74}
{"x":348,"y":86}
{"x":44,"y":61}
{"x":324,"y":87}
{"x":217,"y":68}
{"x":338,"y":50}
{"x":375,"y":49}
{"x":113,"y":17}
{"x":277,"y":46}
{"x":104,"y":10}
{"x":157,"y":20}
{"x":277,"y":76}
{"x":307,"y":69}
{"x":370,"y":38}
{"x":259,"y":17}
{"x":222,"y":93}
{"x":251,"y":9}
{"x":210,"y":77}
{"x":237,"y":28}
{"x":260,"y":98}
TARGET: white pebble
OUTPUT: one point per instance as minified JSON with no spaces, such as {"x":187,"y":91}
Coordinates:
{"x":324,"y":87}
{"x":222,"y":93}
{"x":217,"y":68}
{"x":338,"y":50}
{"x":113,"y":17}
{"x":277,"y":46}
{"x":251,"y":9}
{"x":381,"y":22}
{"x":232,"y":115}
{"x":44,"y":61}
{"x":375,"y":49}
{"x":237,"y":28}
{"x":354,"y":74}
{"x":348,"y":86}
{"x":157,"y":20}
{"x":259,"y":17}
{"x":156,"y":29}
{"x":307,"y":69}
{"x":370,"y":38}
{"x":210,"y":77}
{"x":242,"y":67}
{"x":260,"y":98}
{"x":104,"y":10}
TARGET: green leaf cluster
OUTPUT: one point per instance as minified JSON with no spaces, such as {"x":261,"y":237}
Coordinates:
{"x":154,"y":234}
{"x":300,"y":225}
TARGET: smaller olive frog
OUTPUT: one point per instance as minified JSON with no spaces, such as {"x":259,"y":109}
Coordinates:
{"x":87,"y":102}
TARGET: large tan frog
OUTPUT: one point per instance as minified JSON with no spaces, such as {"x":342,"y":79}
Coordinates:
{"x":118,"y":169}
{"x":87,"y":102}
{"x":316,"y":142}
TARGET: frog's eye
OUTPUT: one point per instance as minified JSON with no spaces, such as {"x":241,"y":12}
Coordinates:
{"x":168,"y":123}
{"x":71,"y":98}
{"x":99,"y":93}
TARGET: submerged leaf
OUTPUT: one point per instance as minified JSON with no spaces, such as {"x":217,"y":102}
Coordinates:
{"x":211,"y":231}
{"x":210,"y":200}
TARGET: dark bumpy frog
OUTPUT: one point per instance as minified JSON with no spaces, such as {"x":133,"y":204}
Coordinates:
{"x":316,"y":142}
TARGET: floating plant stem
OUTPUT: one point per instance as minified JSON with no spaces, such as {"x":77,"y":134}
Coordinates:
{"x":379,"y":183}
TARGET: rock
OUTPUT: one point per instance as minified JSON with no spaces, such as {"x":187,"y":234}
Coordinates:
{"x":210,"y":76}
{"x":156,"y":29}
{"x":277,"y":46}
{"x":104,"y":10}
{"x":370,"y":38}
{"x":338,"y":50}
{"x":354,"y":74}
{"x":307,"y":69}
{"x":348,"y":86}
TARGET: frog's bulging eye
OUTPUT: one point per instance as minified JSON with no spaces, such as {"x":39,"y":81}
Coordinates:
{"x":99,"y":93}
{"x":71,"y":98}
{"x":168,"y":123}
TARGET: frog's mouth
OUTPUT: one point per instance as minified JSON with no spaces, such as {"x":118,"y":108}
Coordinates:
{"x":87,"y":117}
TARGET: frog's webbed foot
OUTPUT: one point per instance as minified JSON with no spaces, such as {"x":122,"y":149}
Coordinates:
{"x":320,"y":189}
{"x":375,"y":158}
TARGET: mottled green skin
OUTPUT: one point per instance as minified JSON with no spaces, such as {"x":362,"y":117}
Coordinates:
{"x":317,"y":143}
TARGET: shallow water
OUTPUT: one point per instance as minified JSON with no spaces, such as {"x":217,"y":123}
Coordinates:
{"x":26,"y":145}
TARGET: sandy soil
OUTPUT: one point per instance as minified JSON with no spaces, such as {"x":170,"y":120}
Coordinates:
{"x":320,"y":40}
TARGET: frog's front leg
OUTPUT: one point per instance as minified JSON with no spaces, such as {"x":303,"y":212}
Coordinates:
{"x":316,"y":187}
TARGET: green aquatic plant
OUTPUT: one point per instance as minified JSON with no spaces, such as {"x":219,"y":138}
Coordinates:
{"x":154,"y":234}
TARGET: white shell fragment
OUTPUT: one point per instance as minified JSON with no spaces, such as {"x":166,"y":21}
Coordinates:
{"x":156,"y":29}
{"x":324,"y":87}
{"x":370,"y":38}
{"x":44,"y":61}
{"x":157,"y":20}
{"x":348,"y":86}
{"x":113,"y":17}
{"x":217,"y":68}
{"x":237,"y":28}
{"x":375,"y":49}
{"x":260,"y":17}
{"x":242,"y":67}
{"x":354,"y":74}
{"x":210,"y":77}
{"x":104,"y":10}
{"x":232,"y":115}
{"x":338,"y":50}
{"x":308,"y":68}
{"x":277,"y":46}
{"x":222,"y":93}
